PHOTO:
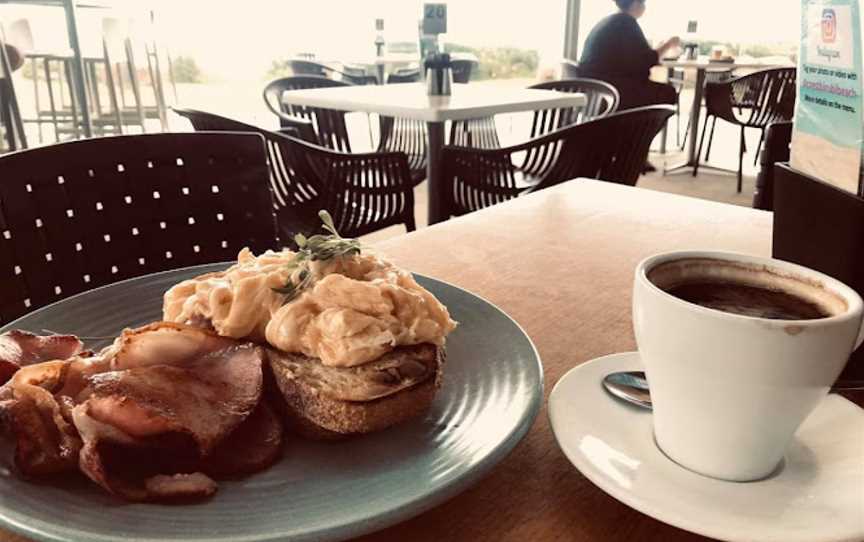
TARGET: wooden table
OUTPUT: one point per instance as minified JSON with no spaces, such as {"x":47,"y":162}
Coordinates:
{"x":561,"y":263}
{"x":702,"y":66}
{"x":70,"y":8}
{"x":410,"y":101}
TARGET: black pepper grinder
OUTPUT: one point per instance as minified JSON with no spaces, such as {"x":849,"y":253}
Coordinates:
{"x":439,"y":75}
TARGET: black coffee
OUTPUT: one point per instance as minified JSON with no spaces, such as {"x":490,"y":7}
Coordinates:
{"x":748,"y":300}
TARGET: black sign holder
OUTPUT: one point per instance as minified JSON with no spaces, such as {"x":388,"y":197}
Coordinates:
{"x":820,"y":226}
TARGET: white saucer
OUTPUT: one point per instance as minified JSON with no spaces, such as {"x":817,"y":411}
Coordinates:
{"x":818,"y":495}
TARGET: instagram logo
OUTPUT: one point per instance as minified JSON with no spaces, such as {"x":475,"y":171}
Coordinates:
{"x":829,"y":25}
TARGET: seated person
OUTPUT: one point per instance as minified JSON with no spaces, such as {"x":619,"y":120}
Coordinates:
{"x":617,"y":52}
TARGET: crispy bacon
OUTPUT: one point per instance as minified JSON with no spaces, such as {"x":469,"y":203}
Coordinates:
{"x":147,"y":416}
{"x":252,"y":447}
{"x":21,"y":348}
{"x":164,"y":419}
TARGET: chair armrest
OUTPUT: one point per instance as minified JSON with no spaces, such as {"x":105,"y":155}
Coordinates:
{"x":718,"y":100}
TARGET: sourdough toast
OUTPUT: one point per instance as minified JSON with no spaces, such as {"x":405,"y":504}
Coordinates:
{"x":331,"y":402}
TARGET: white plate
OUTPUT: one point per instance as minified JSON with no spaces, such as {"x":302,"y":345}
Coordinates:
{"x":817,"y":495}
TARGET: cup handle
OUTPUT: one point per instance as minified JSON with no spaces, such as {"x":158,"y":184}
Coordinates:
{"x":860,"y":339}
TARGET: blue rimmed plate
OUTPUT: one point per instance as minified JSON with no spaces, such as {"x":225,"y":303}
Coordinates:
{"x":492,"y":391}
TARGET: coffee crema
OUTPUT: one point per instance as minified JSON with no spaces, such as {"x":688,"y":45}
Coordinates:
{"x":748,"y":301}
{"x":745,"y":289}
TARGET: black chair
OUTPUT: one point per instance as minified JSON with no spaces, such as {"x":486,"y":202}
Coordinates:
{"x":329,"y":124}
{"x":602,"y":99}
{"x":74,"y":216}
{"x":404,"y":75}
{"x":296,"y":199}
{"x":363,"y":192}
{"x":405,"y":135}
{"x":752,"y":101}
{"x":317,"y":69}
{"x":613,"y":148}
{"x":778,"y":138}
{"x":463,"y":69}
{"x":677,"y":78}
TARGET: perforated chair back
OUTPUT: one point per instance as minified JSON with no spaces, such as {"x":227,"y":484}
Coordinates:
{"x":613,"y":148}
{"x":297,"y":198}
{"x":78,"y":215}
{"x":363,"y":192}
{"x":330,"y":128}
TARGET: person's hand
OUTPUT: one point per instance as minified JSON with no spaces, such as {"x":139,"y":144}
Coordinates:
{"x":668,"y":45}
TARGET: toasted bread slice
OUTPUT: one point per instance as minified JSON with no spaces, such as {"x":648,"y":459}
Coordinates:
{"x":331,"y":402}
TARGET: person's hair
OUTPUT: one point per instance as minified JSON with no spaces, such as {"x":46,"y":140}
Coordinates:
{"x":625,"y":4}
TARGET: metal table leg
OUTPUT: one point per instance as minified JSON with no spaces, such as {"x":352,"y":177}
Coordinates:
{"x":17,"y":125}
{"x":78,"y":66}
{"x":692,"y":158}
{"x":434,"y":173}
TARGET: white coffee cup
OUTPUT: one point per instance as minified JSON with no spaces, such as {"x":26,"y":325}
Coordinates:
{"x":729,"y":391}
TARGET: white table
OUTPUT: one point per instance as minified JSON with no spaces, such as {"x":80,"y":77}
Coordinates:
{"x":702,"y":66}
{"x":409,"y":100}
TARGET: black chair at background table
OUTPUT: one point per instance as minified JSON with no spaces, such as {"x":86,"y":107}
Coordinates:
{"x":405,"y":135}
{"x":329,"y":124}
{"x":363,"y":192}
{"x":463,"y":69}
{"x":296,"y":199}
{"x":601,"y":100}
{"x":778,"y":138}
{"x":752,"y":101}
{"x":677,"y":77}
{"x":613,"y":148}
{"x":74,"y":216}
{"x":350,"y":75}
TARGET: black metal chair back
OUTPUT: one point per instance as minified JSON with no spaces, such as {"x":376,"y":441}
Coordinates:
{"x":755,"y":100}
{"x":78,"y":215}
{"x":363,"y":192}
{"x":612,"y":148}
{"x":601,"y":100}
{"x":462,"y":70}
{"x":404,"y":76}
{"x":778,"y":138}
{"x":329,"y":124}
{"x":296,"y":198}
{"x":350,"y":75}
{"x":405,"y":135}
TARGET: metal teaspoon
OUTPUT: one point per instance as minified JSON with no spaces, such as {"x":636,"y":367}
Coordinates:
{"x":632,"y":387}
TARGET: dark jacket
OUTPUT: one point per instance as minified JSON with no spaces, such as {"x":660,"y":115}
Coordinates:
{"x":616,"y":47}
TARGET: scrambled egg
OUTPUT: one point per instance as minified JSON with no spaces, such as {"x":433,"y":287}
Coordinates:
{"x":357,"y":308}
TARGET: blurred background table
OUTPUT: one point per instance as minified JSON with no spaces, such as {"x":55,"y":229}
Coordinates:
{"x":410,"y":101}
{"x":702,"y":66}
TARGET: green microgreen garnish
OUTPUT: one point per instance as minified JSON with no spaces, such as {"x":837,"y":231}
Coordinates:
{"x":316,"y":248}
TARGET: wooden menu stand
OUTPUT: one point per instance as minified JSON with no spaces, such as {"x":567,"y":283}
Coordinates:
{"x":822,"y":227}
